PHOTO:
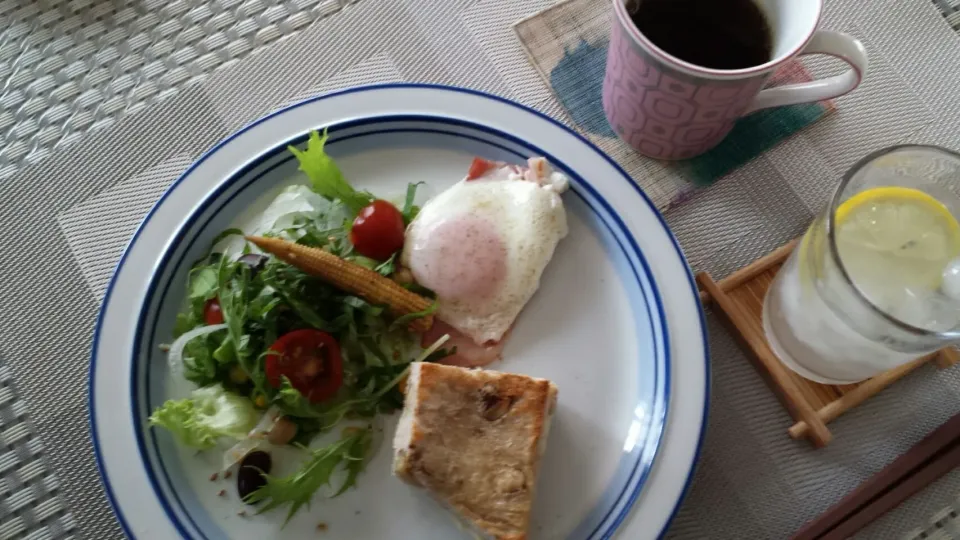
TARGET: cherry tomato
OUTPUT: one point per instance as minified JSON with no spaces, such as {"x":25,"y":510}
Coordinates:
{"x":378,"y":230}
{"x":310,"y":359}
{"x":212,"y":313}
{"x":479,"y":167}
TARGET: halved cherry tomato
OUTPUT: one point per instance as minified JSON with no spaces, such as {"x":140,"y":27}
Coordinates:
{"x":378,"y":230}
{"x":310,"y":359}
{"x":212,"y":313}
{"x":479,"y":167}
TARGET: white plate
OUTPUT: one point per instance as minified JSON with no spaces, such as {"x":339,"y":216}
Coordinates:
{"x":616,"y":324}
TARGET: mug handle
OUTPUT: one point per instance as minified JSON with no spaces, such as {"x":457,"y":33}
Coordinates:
{"x":836,"y":44}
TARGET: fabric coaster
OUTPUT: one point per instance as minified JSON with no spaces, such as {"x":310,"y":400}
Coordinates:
{"x":567,"y":45}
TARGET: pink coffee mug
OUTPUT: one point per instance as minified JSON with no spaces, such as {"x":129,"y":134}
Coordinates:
{"x":666,"y":108}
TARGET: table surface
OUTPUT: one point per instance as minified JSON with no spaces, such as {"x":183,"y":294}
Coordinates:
{"x":105,"y":102}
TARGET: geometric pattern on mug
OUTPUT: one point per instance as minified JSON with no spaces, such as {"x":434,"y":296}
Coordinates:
{"x":659,"y":130}
{"x":710,"y":114}
{"x":668,"y":108}
{"x":695,"y":134}
{"x":650,"y":147}
{"x":665,"y":114}
{"x":676,"y":87}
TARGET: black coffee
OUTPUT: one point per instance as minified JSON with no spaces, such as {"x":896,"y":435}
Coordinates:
{"x":718,"y":34}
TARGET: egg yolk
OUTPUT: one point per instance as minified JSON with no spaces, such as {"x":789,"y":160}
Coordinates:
{"x":462,"y":259}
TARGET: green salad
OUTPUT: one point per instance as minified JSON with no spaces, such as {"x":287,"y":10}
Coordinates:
{"x":279,"y":356}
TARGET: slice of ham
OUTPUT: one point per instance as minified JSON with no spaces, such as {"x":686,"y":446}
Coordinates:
{"x":468,"y":354}
{"x":538,"y":171}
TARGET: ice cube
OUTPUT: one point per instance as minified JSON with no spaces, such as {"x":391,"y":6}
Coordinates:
{"x":950,"y":285}
{"x":930,"y":310}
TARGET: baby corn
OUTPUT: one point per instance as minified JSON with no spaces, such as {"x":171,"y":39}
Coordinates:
{"x":350,"y":277}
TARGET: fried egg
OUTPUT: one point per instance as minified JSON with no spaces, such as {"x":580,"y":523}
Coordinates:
{"x":482,"y":245}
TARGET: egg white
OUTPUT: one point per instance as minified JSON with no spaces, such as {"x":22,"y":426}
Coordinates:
{"x":530,"y":220}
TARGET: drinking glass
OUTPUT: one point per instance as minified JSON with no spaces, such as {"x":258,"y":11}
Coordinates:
{"x":875,"y":281}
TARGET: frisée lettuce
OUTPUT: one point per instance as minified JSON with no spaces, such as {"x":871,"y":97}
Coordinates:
{"x":209,"y":414}
{"x":325,"y":177}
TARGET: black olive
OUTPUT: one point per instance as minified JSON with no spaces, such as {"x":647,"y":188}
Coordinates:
{"x":254,"y":262}
{"x":250,"y":477}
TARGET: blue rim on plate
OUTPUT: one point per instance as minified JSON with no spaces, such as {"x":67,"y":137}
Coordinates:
{"x":656,"y":427}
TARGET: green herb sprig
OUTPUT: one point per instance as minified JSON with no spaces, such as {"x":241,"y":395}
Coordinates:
{"x":298,"y":489}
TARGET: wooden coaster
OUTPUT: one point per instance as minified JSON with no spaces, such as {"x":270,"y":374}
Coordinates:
{"x":812,"y":405}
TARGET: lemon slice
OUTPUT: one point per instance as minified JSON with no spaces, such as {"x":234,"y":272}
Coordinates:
{"x":901,"y":232}
{"x":904,"y":221}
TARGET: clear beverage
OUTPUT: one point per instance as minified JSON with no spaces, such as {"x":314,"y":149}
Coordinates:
{"x":875,"y":281}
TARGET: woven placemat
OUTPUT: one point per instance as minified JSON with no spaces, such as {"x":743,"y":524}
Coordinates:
{"x":567,"y":45}
{"x":29,"y":495}
{"x":70,"y":67}
{"x":951,"y":11}
{"x":943,"y":525}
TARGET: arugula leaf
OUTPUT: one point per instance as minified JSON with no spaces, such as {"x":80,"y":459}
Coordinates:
{"x":383,"y":382}
{"x":199,"y":364}
{"x":404,"y":320}
{"x":262,"y":305}
{"x":366,"y":262}
{"x":302,"y":309}
{"x":440,"y":354}
{"x":373,"y":350}
{"x":297,"y":489}
{"x":186,"y":320}
{"x":420,"y":289}
{"x":202,"y":285}
{"x":203,"y":282}
{"x":387,"y":267}
{"x":331,"y":232}
{"x":225,"y":353}
{"x":233,"y":303}
{"x":410,"y":210}
{"x":355,"y":301}
{"x":235,"y":290}
{"x":373,"y":389}
{"x":354,"y":465}
{"x":325,"y":177}
{"x":293,"y":403}
{"x":322,"y":418}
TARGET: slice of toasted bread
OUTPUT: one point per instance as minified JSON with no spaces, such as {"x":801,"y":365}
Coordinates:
{"x":473,"y":439}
